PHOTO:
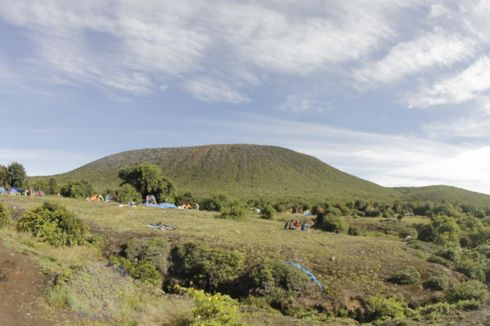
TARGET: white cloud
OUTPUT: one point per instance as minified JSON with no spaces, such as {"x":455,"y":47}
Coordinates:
{"x":210,"y":90}
{"x":463,"y":87}
{"x":305,"y":103}
{"x":436,"y":49}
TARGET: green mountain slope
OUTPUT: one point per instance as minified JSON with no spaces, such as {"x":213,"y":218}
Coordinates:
{"x":244,"y":171}
{"x":448,"y":194}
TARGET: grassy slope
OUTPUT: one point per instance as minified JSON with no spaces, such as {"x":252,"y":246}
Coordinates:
{"x":245,"y":171}
{"x":445,"y":193}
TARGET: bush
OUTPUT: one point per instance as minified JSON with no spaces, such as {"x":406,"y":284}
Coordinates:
{"x":267,"y":212}
{"x":215,"y":203}
{"x":332,"y":224}
{"x":205,"y":268}
{"x":55,"y":225}
{"x":405,"y":276}
{"x":408,"y":232}
{"x":79,"y":189}
{"x":354,"y":231}
{"x":5,"y":218}
{"x":379,"y":308}
{"x":214,"y":310}
{"x":472,"y":269}
{"x":470,"y":290}
{"x":139,"y":270}
{"x":451,"y":254}
{"x":153,"y":250}
{"x":127,"y":193}
{"x":445,"y":230}
{"x":438,"y":283}
{"x":270,"y":274}
{"x":233,"y":210}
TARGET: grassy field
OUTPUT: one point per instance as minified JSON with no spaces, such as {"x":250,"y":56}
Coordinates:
{"x":350,"y":267}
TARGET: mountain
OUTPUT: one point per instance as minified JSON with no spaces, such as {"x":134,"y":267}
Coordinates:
{"x":243,"y":171}
{"x":441,"y":193}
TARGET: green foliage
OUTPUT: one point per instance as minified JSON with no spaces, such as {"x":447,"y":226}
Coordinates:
{"x":332,"y":224}
{"x":17,"y":175}
{"x":205,"y":268}
{"x":214,"y":203}
{"x":267,"y":212}
{"x":4,"y":176}
{"x":185,"y":198}
{"x":408,"y":232}
{"x":233,"y":210}
{"x":55,"y":225}
{"x":474,"y":269}
{"x":406,"y":276}
{"x":78,"y":189}
{"x":438,"y":283}
{"x":470,"y":290}
{"x":147,"y":179}
{"x":5,"y":218}
{"x":445,"y":230}
{"x":380,"y":308}
{"x":139,"y":270}
{"x":127,"y":193}
{"x":271,"y":275}
{"x":214,"y":309}
{"x":154,"y":250}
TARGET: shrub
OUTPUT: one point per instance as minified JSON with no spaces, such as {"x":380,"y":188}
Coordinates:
{"x":233,"y":210}
{"x":332,"y":224}
{"x":79,"y":189}
{"x":405,"y":276}
{"x":271,"y":274}
{"x":127,"y":193}
{"x":55,"y":225}
{"x":354,"y":231}
{"x":451,"y":254}
{"x":5,"y":218}
{"x":445,"y":230}
{"x":139,"y":270}
{"x":215,"y":203}
{"x":214,"y":310}
{"x":379,"y":308}
{"x":153,"y":250}
{"x":267,"y":212}
{"x":408,"y":232}
{"x":205,"y":268}
{"x":438,"y":283}
{"x":472,"y":269}
{"x":470,"y":290}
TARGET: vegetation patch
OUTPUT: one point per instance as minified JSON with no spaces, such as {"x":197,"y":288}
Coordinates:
{"x":406,"y":276}
{"x":382,"y":309}
{"x":5,"y":218}
{"x":55,"y":225}
{"x":470,"y":290}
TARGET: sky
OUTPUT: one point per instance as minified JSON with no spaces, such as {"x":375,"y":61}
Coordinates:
{"x":394,"y":91}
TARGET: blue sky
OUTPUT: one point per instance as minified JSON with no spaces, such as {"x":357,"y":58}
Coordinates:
{"x":396,"y":92}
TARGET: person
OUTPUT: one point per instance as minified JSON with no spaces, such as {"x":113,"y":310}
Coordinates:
{"x":305,"y":226}
{"x":297,"y":225}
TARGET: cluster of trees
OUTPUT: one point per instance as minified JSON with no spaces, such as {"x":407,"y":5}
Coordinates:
{"x":13,"y":175}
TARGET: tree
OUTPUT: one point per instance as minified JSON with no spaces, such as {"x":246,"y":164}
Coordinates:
{"x":445,"y":230}
{"x":52,"y":186}
{"x":17,"y":175}
{"x":147,"y":179}
{"x":4,"y":176}
{"x":79,"y":189}
{"x":127,"y":193}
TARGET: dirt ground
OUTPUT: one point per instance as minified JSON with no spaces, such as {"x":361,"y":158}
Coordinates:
{"x":21,"y":283}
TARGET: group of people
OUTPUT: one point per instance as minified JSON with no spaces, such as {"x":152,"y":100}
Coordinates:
{"x":297,"y":225}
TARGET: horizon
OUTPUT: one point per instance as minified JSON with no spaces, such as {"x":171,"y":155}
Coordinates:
{"x":396,"y":93}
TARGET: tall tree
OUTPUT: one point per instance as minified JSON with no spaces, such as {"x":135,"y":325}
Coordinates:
{"x":17,"y":175}
{"x":147,"y":179}
{"x":4,"y":176}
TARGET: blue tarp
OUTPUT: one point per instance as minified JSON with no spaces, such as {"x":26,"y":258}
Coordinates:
{"x":162,"y":205}
{"x":307,"y":272}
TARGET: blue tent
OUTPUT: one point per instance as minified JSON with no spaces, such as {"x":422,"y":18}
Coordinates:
{"x":14,"y":191}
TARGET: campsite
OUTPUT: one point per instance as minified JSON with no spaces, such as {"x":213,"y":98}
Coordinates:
{"x":266,"y":261}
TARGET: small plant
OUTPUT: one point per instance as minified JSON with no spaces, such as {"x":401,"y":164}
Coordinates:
{"x":438,"y":283}
{"x":267,"y":212}
{"x":405,"y":276}
{"x":379,"y":308}
{"x":214,"y":309}
{"x":470,"y":290}
{"x":332,"y":224}
{"x":408,"y":232}
{"x":5,"y":218}
{"x":55,"y":225}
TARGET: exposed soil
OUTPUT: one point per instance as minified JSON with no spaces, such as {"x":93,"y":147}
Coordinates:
{"x":21,"y":283}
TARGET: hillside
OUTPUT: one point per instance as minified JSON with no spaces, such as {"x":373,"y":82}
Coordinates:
{"x":449,"y":194}
{"x":244,"y":171}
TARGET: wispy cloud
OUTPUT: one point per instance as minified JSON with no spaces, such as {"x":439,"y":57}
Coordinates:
{"x":305,"y":103}
{"x":210,"y":90}
{"x":463,"y":87}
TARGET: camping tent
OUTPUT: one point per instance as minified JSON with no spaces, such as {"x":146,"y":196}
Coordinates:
{"x":14,"y":191}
